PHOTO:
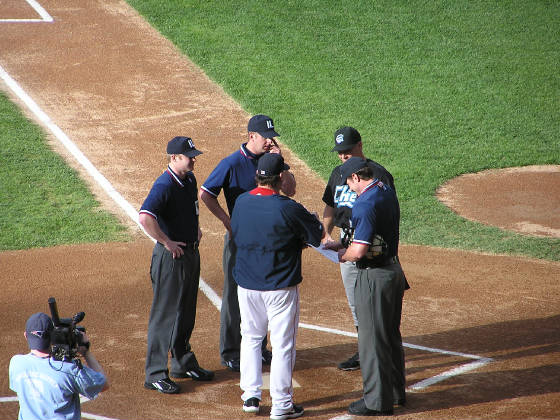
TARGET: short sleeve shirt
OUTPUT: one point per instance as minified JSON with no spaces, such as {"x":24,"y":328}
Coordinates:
{"x":376,"y":217}
{"x":235,"y":174}
{"x":173,"y":202}
{"x":269,"y":232}
{"x":341,"y":198}
{"x":51,"y":389}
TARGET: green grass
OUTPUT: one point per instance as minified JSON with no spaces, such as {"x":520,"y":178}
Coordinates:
{"x":436,"y":88}
{"x":42,"y":201}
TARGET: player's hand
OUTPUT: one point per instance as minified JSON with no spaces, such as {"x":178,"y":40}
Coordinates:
{"x":175,"y":248}
{"x":334,"y":245}
{"x":84,"y":341}
{"x":227,"y":225}
{"x":341,"y":253}
{"x":274,"y":148}
{"x":327,"y":239}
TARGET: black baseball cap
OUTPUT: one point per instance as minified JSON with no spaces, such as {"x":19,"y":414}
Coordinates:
{"x":345,"y":138}
{"x":38,"y":331}
{"x":182,"y":146}
{"x":351,"y":166}
{"x":263,"y":125}
{"x":271,"y":164}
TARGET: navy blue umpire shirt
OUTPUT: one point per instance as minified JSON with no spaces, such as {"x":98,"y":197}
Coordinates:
{"x":341,"y":198}
{"x":173,"y":203}
{"x":235,"y":174}
{"x":376,"y":212}
{"x":270,"y":231}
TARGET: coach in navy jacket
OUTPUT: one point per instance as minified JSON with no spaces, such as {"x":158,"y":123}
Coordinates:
{"x":270,"y":230}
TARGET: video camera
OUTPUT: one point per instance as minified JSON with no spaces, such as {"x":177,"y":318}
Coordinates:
{"x":66,"y":336}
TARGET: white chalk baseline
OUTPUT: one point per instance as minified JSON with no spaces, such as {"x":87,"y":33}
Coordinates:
{"x":45,"y":17}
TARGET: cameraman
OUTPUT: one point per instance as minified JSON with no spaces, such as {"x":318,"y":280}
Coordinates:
{"x":49,"y":388}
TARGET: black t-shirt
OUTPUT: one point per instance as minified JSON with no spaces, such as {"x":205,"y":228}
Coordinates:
{"x":341,"y":198}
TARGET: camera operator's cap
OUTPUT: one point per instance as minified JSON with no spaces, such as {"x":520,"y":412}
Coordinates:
{"x":271,"y":164}
{"x":182,"y":146}
{"x":263,"y":125}
{"x":38,"y":331}
{"x":345,"y":138}
{"x":351,"y":166}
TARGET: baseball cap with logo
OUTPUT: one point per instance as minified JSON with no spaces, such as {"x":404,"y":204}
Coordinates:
{"x":271,"y":164}
{"x":345,"y":138}
{"x":351,"y":166}
{"x":182,"y":146}
{"x":38,"y":331}
{"x":263,"y":125}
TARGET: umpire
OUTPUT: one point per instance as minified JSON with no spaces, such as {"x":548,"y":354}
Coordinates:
{"x":235,"y":175}
{"x":379,"y":289}
{"x":170,"y":215}
{"x":339,"y":200}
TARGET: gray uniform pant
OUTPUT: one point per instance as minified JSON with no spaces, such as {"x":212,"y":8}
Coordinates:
{"x":172,"y":317}
{"x":379,"y":294}
{"x":349,"y":273}
{"x":230,"y":318}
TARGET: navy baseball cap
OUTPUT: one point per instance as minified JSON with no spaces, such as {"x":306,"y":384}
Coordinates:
{"x":345,"y":138}
{"x":351,"y":166}
{"x":263,"y":125}
{"x":182,"y":146}
{"x":271,"y":164}
{"x":38,"y":331}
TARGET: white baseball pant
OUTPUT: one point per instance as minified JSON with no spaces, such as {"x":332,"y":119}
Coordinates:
{"x":277,"y":310}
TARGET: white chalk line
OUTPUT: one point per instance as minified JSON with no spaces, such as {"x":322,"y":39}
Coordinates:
{"x":479,"y":360}
{"x":96,"y":417}
{"x":204,"y":287}
{"x":45,"y":17}
{"x":419,"y":386}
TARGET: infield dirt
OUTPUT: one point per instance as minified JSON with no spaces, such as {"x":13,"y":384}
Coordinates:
{"x":120,"y":92}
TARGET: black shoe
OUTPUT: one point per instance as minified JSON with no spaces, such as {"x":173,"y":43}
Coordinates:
{"x":232,"y":365}
{"x":294,"y":413}
{"x":196,"y":374}
{"x":251,"y":405}
{"x":351,"y":364}
{"x":165,"y":386}
{"x":401,"y":402}
{"x":359,"y":408}
{"x":266,"y":357}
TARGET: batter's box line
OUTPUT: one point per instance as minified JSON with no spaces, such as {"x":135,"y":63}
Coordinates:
{"x":45,"y":17}
{"x":479,"y":361}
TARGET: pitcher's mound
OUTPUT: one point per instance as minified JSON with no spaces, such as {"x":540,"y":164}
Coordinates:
{"x":525,"y":200}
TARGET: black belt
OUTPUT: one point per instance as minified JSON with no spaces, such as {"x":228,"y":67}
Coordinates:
{"x":364,"y":265}
{"x":192,"y":246}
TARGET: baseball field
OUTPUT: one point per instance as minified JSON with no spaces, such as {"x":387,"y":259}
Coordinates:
{"x":459,"y":101}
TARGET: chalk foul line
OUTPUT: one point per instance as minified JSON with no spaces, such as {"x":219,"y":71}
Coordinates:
{"x":45,"y":17}
{"x":479,"y":361}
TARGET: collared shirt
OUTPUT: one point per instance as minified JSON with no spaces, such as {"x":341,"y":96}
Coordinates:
{"x":376,"y":217}
{"x":269,"y":231}
{"x":235,"y":174}
{"x":173,"y":202}
{"x":341,"y":198}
